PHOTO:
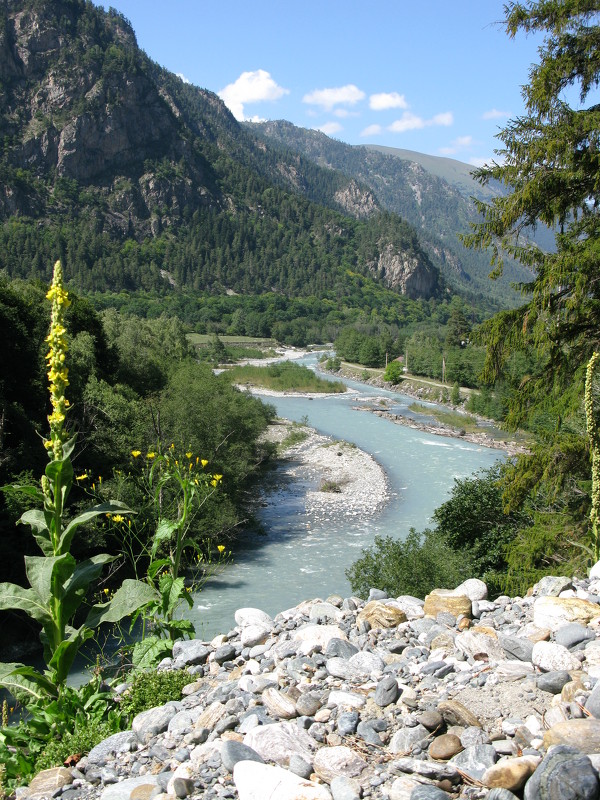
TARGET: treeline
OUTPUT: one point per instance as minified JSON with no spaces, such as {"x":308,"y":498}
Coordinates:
{"x":135,"y":387}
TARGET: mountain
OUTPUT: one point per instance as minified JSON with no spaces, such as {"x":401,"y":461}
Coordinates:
{"x":432,"y":194}
{"x":137,"y":180}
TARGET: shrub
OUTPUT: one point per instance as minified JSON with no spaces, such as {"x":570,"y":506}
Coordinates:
{"x":151,"y":689}
{"x":415,"y":566}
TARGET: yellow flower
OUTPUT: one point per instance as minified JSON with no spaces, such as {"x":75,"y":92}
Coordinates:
{"x":217,"y":477}
{"x":151,"y":455}
{"x":105,"y":591}
{"x":118,"y":518}
{"x":136,"y":453}
{"x":81,"y":477}
{"x":188,"y":454}
{"x":220,"y":547}
{"x":204,"y":462}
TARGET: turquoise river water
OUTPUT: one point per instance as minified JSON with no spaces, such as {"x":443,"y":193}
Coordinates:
{"x":297,"y":558}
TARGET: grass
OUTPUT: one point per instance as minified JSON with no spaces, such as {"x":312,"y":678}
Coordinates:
{"x":203,"y":339}
{"x":283,"y":377}
{"x":296,"y":435}
{"x":452,"y":419}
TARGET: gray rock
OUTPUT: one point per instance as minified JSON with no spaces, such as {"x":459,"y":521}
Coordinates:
{"x":367,"y":732}
{"x":155,"y":720}
{"x":367,"y":663}
{"x":425,"y":792}
{"x":308,"y":704}
{"x":553,"y":682}
{"x":434,"y":770}
{"x":224,"y":653}
{"x":517,"y":647}
{"x":183,"y":787}
{"x":299,"y":766}
{"x":573,"y":634}
{"x":432,"y":720}
{"x":405,"y":739}
{"x":474,"y":760}
{"x":501,"y":794}
{"x":377,"y":594}
{"x":343,"y":788}
{"x":232,"y":752}
{"x":348,"y":722}
{"x":190,"y":652}
{"x":340,"y":648}
{"x":123,"y":742}
{"x":551,"y":586}
{"x":387,"y":691}
{"x":592,"y":704}
{"x":564,"y":774}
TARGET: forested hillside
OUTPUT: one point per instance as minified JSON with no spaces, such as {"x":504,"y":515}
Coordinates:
{"x":439,"y":208}
{"x":138,"y":181}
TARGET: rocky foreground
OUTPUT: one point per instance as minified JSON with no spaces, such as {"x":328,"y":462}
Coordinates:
{"x":395,"y":698}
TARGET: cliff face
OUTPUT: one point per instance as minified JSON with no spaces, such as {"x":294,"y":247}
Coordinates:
{"x":406,"y":273}
{"x":92,"y":130}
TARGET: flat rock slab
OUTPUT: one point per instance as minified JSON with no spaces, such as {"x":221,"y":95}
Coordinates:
{"x":262,"y":782}
{"x":279,"y":741}
{"x":124,"y":789}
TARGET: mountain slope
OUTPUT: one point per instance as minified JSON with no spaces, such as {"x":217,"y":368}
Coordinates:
{"x":137,"y":180}
{"x":432,"y":195}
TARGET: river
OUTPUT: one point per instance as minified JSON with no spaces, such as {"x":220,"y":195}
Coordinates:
{"x":298,"y":558}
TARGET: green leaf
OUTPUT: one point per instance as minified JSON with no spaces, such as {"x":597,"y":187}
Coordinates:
{"x":48,"y":575}
{"x":155,"y":566}
{"x":110,"y":507}
{"x":40,"y":523}
{"x":164,"y":532}
{"x":150,"y":651}
{"x":19,"y":679}
{"x":64,"y":655}
{"x":85,"y":573}
{"x":127,"y":599}
{"x":25,"y":488}
{"x":68,"y":447}
{"x":13,"y":597}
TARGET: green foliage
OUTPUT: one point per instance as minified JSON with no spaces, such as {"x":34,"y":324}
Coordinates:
{"x":283,"y":377}
{"x":455,"y":395}
{"x":415,"y":566}
{"x":50,"y":731}
{"x":151,"y":689}
{"x":393,"y":372}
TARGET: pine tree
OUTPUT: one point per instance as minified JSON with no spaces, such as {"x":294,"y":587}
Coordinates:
{"x":550,"y":164}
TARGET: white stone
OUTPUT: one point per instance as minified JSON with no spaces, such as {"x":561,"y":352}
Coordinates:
{"x":252,"y":635}
{"x":345,"y":700}
{"x":476,"y":643}
{"x":313,"y":636}
{"x":412,"y":606}
{"x":554,"y":612}
{"x":402,"y":787}
{"x":550,"y":656}
{"x":255,"y":781}
{"x":473,"y":588}
{"x":329,"y":762}
{"x":281,"y":740}
{"x":595,"y":571}
{"x":252,"y":616}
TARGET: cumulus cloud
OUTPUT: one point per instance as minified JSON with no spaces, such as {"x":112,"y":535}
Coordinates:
{"x":458,"y":144}
{"x":371,"y":130}
{"x":411,"y":122}
{"x":329,"y":128}
{"x":493,"y":113}
{"x":326,"y":99}
{"x":385,"y":100}
{"x":250,"y":87}
{"x":182,"y":77}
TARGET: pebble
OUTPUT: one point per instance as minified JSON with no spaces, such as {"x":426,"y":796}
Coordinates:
{"x":328,"y":704}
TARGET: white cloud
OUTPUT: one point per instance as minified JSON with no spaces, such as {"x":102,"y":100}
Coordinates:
{"x":495,"y":114}
{"x":446,"y":119}
{"x":371,"y":130}
{"x":343,"y":113}
{"x":408,"y":122}
{"x":329,"y":128}
{"x":385,"y":100}
{"x":182,"y":76}
{"x":458,"y":144}
{"x":411,"y":122}
{"x":347,"y":95}
{"x":251,"y":87}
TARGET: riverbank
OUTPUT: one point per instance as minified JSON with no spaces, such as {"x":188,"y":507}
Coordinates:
{"x":398,"y":698}
{"x":348,"y":481}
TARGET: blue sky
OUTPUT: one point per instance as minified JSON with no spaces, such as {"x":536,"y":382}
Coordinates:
{"x":439,"y":76}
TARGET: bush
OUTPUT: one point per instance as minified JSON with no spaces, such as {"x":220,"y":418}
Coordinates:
{"x":393,"y":372}
{"x":415,"y":566}
{"x":152,"y":689}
